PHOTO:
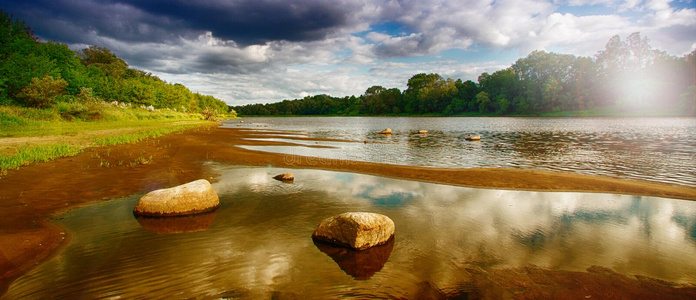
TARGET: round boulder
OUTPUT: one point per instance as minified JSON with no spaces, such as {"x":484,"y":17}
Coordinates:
{"x":357,"y":230}
{"x":191,"y":198}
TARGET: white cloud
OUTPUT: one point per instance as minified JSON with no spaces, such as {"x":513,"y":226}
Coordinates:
{"x":350,"y":58}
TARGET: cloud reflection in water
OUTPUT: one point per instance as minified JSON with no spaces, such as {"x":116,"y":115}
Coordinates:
{"x":259,"y":243}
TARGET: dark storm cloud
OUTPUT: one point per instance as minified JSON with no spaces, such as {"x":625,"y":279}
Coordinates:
{"x":80,"y":21}
{"x":254,"y":21}
{"x":245,"y":22}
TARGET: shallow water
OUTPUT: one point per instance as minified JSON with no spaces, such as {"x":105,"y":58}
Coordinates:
{"x":258,"y":244}
{"x":655,"y":149}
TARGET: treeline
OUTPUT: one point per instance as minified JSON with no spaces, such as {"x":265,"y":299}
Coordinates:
{"x":627,"y":76}
{"x":41,"y":75}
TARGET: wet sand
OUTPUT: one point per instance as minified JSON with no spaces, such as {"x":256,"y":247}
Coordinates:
{"x":31,"y":196}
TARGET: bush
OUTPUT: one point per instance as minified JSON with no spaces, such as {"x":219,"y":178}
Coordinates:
{"x":85,"y":95}
{"x":41,"y":93}
{"x":208,"y":114}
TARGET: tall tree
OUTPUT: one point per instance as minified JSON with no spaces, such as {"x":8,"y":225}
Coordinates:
{"x":103,"y":59}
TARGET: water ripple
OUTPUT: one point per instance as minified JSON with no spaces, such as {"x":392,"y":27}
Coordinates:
{"x":655,"y":149}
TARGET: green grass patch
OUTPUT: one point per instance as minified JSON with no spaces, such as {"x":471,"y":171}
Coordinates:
{"x":130,"y":138}
{"x":27,"y":155}
{"x":76,"y":118}
{"x":71,"y":128}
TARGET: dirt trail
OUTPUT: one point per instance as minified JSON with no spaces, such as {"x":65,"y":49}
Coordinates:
{"x":30,"y":196}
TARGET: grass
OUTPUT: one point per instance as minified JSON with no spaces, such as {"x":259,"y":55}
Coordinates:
{"x":23,"y":122}
{"x":27,"y":155}
{"x":63,"y":136}
{"x":130,"y":138}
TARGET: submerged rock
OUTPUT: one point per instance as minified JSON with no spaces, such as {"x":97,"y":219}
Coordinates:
{"x":357,"y":230}
{"x":286,"y":177}
{"x":473,"y":138}
{"x":386,"y":131}
{"x":191,"y":198}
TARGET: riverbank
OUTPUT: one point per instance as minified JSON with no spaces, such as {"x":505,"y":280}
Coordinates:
{"x":29,"y":197}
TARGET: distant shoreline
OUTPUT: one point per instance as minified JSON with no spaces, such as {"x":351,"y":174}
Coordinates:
{"x":33,"y":194}
{"x":476,"y":115}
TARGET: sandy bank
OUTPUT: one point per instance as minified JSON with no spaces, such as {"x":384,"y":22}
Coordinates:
{"x":32,"y":195}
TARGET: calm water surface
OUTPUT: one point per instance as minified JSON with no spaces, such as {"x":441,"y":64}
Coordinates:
{"x":258,"y":244}
{"x":656,"y":149}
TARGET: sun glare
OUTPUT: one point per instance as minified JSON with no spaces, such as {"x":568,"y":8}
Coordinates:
{"x":636,"y":91}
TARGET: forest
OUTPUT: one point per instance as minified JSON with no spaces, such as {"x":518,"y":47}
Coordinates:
{"x":45,"y":75}
{"x":627,"y":77}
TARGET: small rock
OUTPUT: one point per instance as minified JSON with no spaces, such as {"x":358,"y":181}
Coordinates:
{"x":285,"y":177}
{"x":357,"y":230}
{"x":191,"y":198}
{"x":386,"y":131}
{"x":473,"y":138}
{"x":422,"y":131}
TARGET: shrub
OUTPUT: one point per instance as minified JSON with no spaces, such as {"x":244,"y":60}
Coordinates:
{"x":85,"y":95}
{"x":84,"y":106}
{"x":209,"y":114}
{"x":41,"y":93}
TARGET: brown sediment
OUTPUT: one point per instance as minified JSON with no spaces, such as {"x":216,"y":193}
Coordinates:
{"x":30,"y":196}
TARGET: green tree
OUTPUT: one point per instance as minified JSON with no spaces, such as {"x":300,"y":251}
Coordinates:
{"x":466,"y":91}
{"x":483,"y":102}
{"x":68,"y":63}
{"x":503,"y":104}
{"x":14,"y":33}
{"x":429,"y":93}
{"x":551,"y":91}
{"x":103,"y":59}
{"x":19,"y":69}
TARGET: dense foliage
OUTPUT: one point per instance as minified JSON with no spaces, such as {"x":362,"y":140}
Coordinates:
{"x":41,"y":75}
{"x":627,"y":76}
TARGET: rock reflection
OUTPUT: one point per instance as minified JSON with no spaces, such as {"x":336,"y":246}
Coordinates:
{"x":360,"y":264}
{"x":179,"y":224}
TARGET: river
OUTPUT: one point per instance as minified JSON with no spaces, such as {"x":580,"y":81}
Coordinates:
{"x":655,"y":149}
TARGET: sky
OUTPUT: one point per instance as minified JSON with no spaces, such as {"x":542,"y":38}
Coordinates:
{"x":262,"y":51}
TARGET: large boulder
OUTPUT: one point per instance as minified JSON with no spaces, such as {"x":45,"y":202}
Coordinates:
{"x":357,"y":230}
{"x":191,"y":198}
